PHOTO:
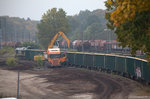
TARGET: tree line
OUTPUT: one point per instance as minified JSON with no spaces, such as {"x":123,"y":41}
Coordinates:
{"x":86,"y":25}
{"x":90,"y":25}
{"x":17,"y":29}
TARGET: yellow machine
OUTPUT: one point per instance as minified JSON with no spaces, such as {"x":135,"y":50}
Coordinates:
{"x":51,"y":44}
{"x":53,"y":55}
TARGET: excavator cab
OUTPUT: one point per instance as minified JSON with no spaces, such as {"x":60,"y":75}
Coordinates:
{"x":56,"y":44}
{"x":55,"y":57}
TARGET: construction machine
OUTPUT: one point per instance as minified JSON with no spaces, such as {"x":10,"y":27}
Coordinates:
{"x":53,"y":56}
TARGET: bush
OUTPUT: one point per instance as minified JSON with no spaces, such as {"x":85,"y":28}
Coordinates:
{"x":39,"y":61}
{"x":11,"y":61}
{"x":31,"y":44}
{"x":8,"y":50}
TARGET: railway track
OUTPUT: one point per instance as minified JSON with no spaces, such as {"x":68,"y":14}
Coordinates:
{"x":66,"y":82}
{"x":106,"y":86}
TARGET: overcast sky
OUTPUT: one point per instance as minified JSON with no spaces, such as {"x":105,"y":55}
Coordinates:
{"x":35,"y":8}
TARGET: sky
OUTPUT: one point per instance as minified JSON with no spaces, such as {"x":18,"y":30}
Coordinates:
{"x":34,"y":9}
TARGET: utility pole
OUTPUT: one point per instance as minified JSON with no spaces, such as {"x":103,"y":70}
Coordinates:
{"x":94,"y":43}
{"x":29,"y":36}
{"x":15,"y":36}
{"x":18,"y":84}
{"x":82,"y":42}
{"x":2,"y":30}
{"x":0,"y":39}
{"x":5,"y":33}
{"x":108,"y":39}
{"x":0,"y":33}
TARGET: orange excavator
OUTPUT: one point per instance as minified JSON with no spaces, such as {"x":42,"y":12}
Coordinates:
{"x":53,"y":56}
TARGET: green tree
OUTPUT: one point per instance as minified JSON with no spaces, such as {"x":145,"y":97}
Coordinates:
{"x":125,"y":10}
{"x":31,"y":45}
{"x":92,"y":32}
{"x":18,"y":29}
{"x":51,"y":23}
{"x":82,"y":24}
{"x":92,"y":19}
{"x":130,"y":19}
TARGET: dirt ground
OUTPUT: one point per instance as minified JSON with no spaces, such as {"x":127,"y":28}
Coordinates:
{"x":65,"y":83}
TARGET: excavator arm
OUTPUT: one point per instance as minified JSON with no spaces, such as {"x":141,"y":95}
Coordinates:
{"x":51,"y":44}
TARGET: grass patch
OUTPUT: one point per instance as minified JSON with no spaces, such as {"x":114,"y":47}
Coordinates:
{"x":7,"y":49}
{"x":39,"y":61}
{"x":11,"y":61}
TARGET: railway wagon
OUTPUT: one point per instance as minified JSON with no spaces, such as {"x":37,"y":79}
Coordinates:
{"x":123,"y":65}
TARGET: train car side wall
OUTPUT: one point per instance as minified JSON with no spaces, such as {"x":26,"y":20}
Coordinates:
{"x":122,"y":64}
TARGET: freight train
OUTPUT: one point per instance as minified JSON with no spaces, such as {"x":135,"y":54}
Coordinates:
{"x":102,"y":46}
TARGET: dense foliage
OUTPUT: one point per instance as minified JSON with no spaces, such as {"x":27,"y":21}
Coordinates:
{"x":131,"y":21}
{"x":31,"y":45}
{"x":89,"y":25}
{"x":51,"y":23}
{"x":17,"y":29}
{"x":124,"y":10}
{"x":11,"y":61}
{"x":7,"y":50}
